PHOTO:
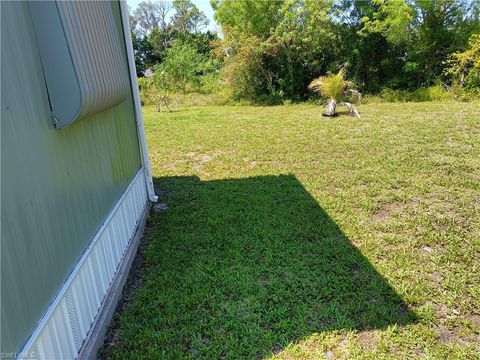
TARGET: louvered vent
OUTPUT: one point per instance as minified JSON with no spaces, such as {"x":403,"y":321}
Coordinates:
{"x":81,"y":53}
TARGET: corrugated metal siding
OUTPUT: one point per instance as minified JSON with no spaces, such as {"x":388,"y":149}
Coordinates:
{"x":81,"y":52}
{"x":97,"y":48}
{"x":57,"y":186}
{"x":66,"y":324}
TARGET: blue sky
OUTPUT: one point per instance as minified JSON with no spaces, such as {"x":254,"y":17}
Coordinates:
{"x":203,"y":5}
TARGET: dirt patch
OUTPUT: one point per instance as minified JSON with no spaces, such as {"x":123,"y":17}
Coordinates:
{"x":201,"y":159}
{"x":436,"y":278}
{"x":431,"y":251}
{"x":385,"y":211}
{"x":368,"y":339}
{"x":475,"y":320}
{"x":329,"y":355}
{"x":442,"y":310}
{"x":444,"y":335}
{"x":476,"y":202}
{"x":426,"y":250}
{"x":459,"y":332}
{"x":251,"y":162}
{"x":451,"y":336}
{"x":459,"y":145}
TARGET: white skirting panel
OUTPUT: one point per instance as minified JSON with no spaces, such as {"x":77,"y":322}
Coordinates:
{"x":65,"y":325}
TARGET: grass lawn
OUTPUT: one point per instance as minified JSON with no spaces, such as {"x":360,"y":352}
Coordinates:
{"x":292,"y":236}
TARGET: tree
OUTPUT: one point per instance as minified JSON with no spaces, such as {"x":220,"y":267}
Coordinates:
{"x":182,"y":67}
{"x":156,"y":89}
{"x":334,"y":87}
{"x":144,"y":53}
{"x":181,"y":71}
{"x":150,"y":15}
{"x":304,"y":42}
{"x":247,"y":17}
{"x":293,"y":42}
{"x":273,"y":48}
{"x":425,"y":32}
{"x":160,"y":40}
{"x":246,"y":69}
{"x":371,"y":60}
{"x":393,"y":19}
{"x":464,"y":67}
{"x":187,"y":17}
{"x":132,"y":21}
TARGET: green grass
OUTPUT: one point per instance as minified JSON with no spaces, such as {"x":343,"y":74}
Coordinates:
{"x":292,"y":236}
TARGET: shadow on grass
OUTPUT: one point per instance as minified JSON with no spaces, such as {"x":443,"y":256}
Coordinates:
{"x":241,"y":268}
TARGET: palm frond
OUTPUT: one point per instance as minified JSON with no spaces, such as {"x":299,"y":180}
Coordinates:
{"x":329,"y":86}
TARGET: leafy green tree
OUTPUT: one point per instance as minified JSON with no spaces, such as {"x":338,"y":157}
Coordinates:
{"x":303,"y":41}
{"x":271,"y":49}
{"x":464,"y":67}
{"x":160,"y":40}
{"x":425,"y":32}
{"x":144,"y":53}
{"x":248,"y":57}
{"x":287,"y":41}
{"x":245,"y":69}
{"x":202,"y":42}
{"x":156,"y":89}
{"x":153,"y":33}
{"x":393,"y":20}
{"x":247,"y":17}
{"x":371,"y":60}
{"x":437,"y":22}
{"x":182,"y":70}
{"x":182,"y":67}
{"x":187,"y":17}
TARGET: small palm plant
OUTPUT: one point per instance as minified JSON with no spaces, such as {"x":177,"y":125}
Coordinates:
{"x":334,"y":88}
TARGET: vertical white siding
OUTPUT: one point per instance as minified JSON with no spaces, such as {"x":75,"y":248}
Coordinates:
{"x":62,"y":330}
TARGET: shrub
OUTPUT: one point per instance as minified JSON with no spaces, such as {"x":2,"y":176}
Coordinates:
{"x":245,"y":70}
{"x":462,"y":94}
{"x":463,"y":68}
{"x":184,"y":70}
{"x":182,"y":67}
{"x":434,"y":93}
{"x":438,"y":93}
{"x":390,"y":95}
{"x":155,"y":90}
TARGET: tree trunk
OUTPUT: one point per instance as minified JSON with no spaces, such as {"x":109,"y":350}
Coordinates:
{"x":331,"y":107}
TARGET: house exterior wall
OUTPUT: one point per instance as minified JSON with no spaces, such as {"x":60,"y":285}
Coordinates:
{"x":57,"y":186}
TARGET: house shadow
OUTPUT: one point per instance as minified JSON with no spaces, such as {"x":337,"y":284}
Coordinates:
{"x":244,"y":267}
